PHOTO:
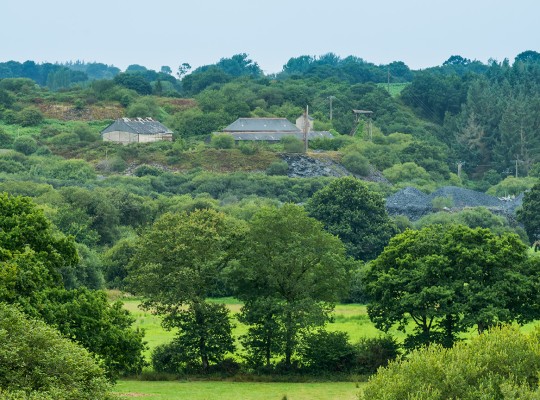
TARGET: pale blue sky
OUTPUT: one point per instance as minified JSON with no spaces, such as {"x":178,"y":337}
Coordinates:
{"x":421,"y":33}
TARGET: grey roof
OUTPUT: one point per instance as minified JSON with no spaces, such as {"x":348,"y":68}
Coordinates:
{"x":276,"y":136}
{"x":142,"y":126}
{"x":266,"y":125}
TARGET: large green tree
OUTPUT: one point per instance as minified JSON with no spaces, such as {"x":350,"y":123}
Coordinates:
{"x":348,"y":209}
{"x":179,"y":262}
{"x":291,"y":272}
{"x":446,"y":279}
{"x":32,"y":255}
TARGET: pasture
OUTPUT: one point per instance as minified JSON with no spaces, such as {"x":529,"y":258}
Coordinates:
{"x":205,"y":390}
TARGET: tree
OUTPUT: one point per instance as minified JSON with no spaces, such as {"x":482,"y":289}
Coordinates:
{"x":179,"y":262}
{"x":291,"y":271}
{"x":529,"y":214}
{"x":37,"y":256}
{"x":348,"y":209}
{"x":446,"y":279}
{"x":104,"y":329}
{"x":37,"y":362}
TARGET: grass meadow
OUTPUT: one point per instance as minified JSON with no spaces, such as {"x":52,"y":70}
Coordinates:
{"x":223,"y":390}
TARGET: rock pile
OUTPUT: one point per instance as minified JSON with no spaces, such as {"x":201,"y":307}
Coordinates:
{"x":415,"y":204}
{"x":302,"y":166}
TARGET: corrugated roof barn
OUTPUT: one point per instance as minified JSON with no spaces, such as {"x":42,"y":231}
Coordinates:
{"x":268,"y":129}
{"x":136,"y":130}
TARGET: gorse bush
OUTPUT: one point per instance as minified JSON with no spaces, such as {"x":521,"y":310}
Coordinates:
{"x":501,"y":364}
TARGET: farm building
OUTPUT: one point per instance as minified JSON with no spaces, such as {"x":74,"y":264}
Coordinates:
{"x":267,"y":129}
{"x":136,"y":130}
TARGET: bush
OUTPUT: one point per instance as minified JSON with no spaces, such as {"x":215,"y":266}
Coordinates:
{"x":36,"y":360}
{"x":25,"y":144}
{"x":356,"y":163}
{"x":6,"y":140}
{"x":143,"y":170}
{"x":222,"y":141}
{"x":65,"y":139}
{"x":167,"y":358}
{"x":30,"y":116}
{"x":277,"y":168}
{"x":374,"y":353}
{"x":85,"y":133}
{"x":440,"y":203}
{"x":292,"y":144}
{"x":501,"y":364}
{"x":324,"y":351}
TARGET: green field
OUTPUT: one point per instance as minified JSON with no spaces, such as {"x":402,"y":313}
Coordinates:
{"x":350,"y":318}
{"x":204,"y":390}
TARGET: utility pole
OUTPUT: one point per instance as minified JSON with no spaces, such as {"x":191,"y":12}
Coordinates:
{"x":306,"y":129}
{"x":459,"y":165}
{"x":331,"y":98}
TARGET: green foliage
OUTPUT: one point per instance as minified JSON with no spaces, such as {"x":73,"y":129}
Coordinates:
{"x":179,"y":261}
{"x":408,"y":174}
{"x":143,"y":170}
{"x":36,"y":362}
{"x":511,"y":186}
{"x":420,"y":277}
{"x":278,"y":168}
{"x":373,"y":353}
{"x":6,"y":140}
{"x":104,"y":329}
{"x":348,"y":209}
{"x":222,"y":141}
{"x":289,"y":274}
{"x":144,"y":107}
{"x":85,"y":133}
{"x":501,"y":364}
{"x":440,"y":203}
{"x":116,"y":260}
{"x":291,"y":144}
{"x":356,"y":163}
{"x":201,"y":321}
{"x":30,"y":116}
{"x":529,"y":214}
{"x":25,"y":144}
{"x":323,"y":351}
{"x":36,"y":256}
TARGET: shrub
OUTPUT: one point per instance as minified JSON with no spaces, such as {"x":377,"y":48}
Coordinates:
{"x":278,"y":168}
{"x":85,"y":133}
{"x":356,"y":163}
{"x":167,"y":358}
{"x":501,"y":361}
{"x":143,"y":170}
{"x":324,"y":351}
{"x":222,"y":141}
{"x":440,"y":203}
{"x":374,"y":353}
{"x":25,"y":144}
{"x":30,"y":116}
{"x":37,"y":361}
{"x":6,"y":140}
{"x":292,"y":144}
{"x":65,"y":139}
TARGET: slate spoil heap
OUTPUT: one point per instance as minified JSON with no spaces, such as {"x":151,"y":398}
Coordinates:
{"x":414,"y":204}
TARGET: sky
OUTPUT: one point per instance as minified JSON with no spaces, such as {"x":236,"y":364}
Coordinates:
{"x":155,"y":33}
